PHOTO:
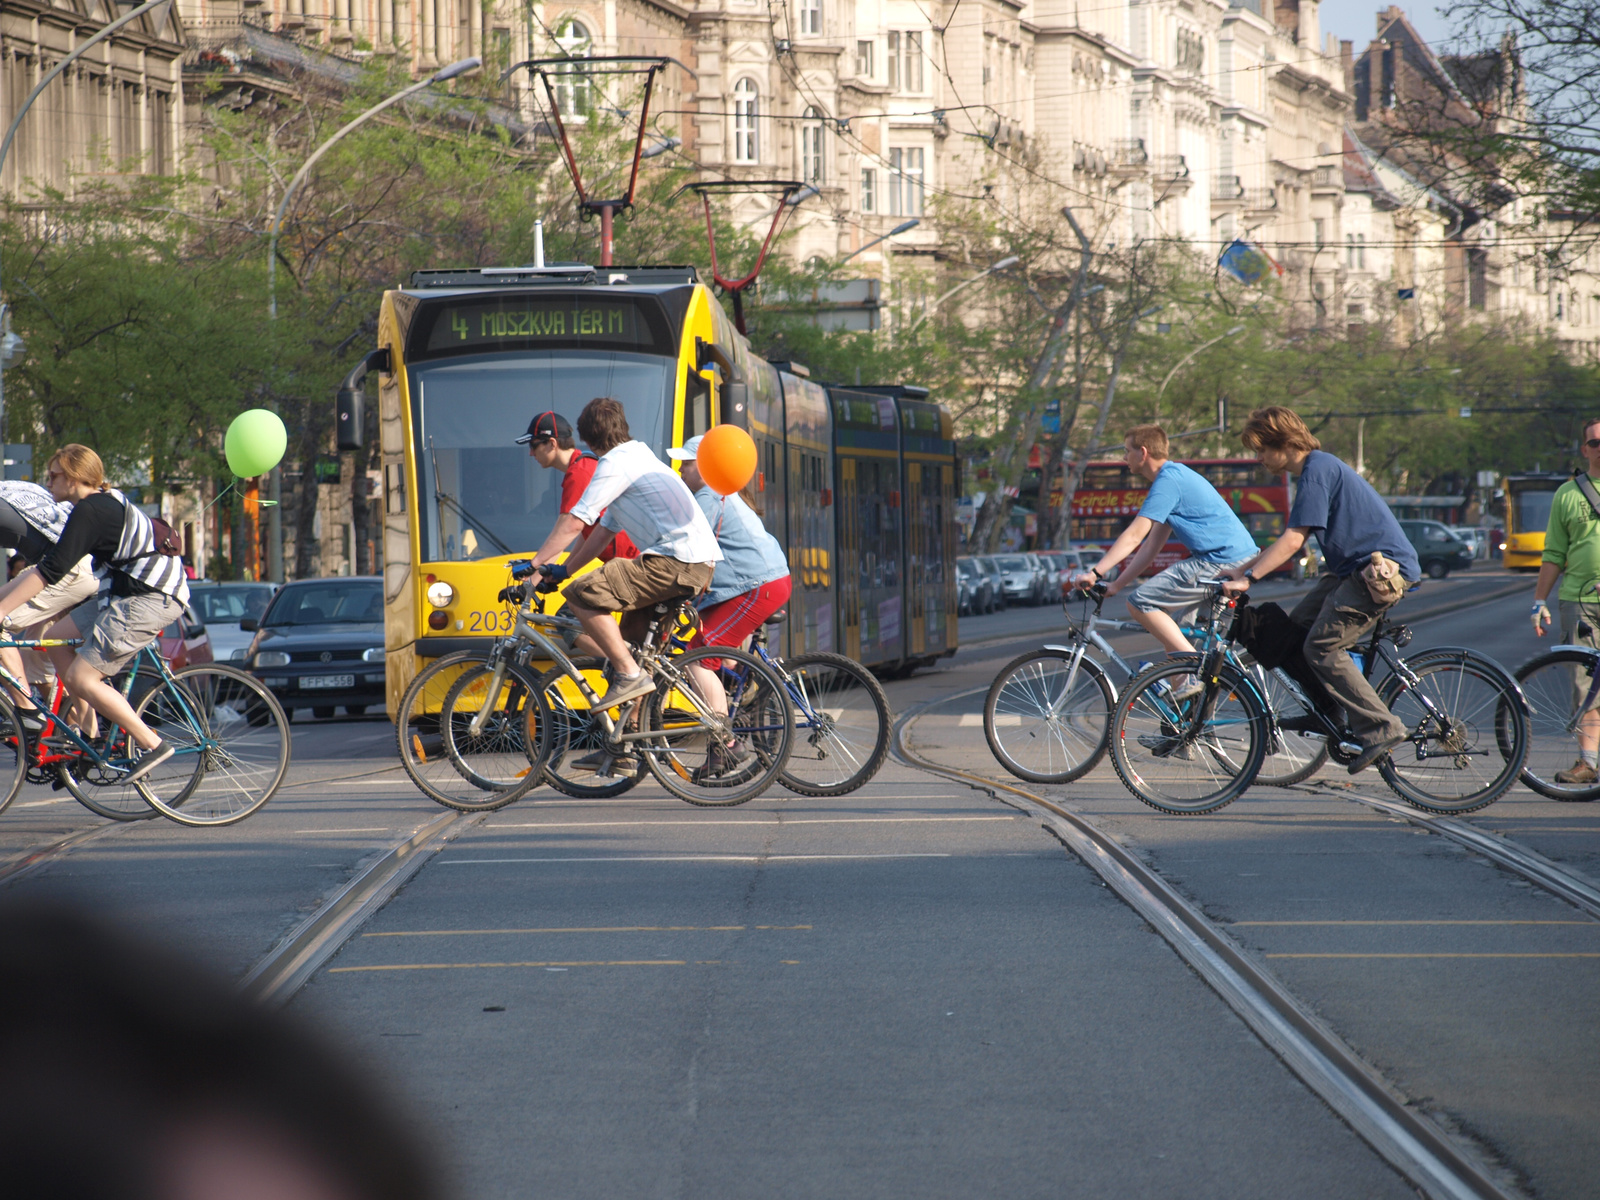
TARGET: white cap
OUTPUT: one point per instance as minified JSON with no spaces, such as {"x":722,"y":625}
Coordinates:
{"x":689,"y":451}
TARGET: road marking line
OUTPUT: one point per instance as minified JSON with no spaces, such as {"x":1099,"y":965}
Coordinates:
{"x":1585,"y":954}
{"x":582,"y":929}
{"x":1001,"y":720}
{"x":368,"y":829}
{"x":728,"y":858}
{"x":1418,"y":922}
{"x":659,"y":962}
{"x":762,"y":824}
{"x":42,"y":803}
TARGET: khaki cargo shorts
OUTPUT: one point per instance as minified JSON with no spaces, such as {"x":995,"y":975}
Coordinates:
{"x":631,"y":585}
{"x":34,"y":619}
{"x":126,"y":626}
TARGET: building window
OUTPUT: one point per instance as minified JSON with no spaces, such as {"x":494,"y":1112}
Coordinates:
{"x":913,"y":70}
{"x":894,"y":60}
{"x":746,"y":112}
{"x":811,"y":147}
{"x":811,"y":16}
{"x":1361,"y":252}
{"x":864,"y":60}
{"x":1319,"y":232}
{"x":1350,"y":251}
{"x":905,"y":182}
{"x":869,"y":190}
{"x":572,"y":86}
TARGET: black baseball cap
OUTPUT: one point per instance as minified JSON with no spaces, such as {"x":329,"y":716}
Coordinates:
{"x":546,"y":425}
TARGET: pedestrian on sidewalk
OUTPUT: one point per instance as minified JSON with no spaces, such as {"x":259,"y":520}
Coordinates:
{"x":1351,"y":521}
{"x":1572,"y":551}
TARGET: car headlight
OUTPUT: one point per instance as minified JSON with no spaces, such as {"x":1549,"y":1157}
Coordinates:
{"x":238,"y":655}
{"x":272,"y":658}
{"x":441,"y":594}
{"x":373,"y":655}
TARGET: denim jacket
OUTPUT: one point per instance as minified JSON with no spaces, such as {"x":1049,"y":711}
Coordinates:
{"x":750,"y":555}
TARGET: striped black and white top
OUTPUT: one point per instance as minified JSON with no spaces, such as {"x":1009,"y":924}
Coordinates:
{"x":123,"y":544}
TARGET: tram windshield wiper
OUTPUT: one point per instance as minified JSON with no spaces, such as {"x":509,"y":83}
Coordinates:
{"x":445,"y":500}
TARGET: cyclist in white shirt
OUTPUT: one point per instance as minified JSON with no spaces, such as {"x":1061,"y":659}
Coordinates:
{"x":641,"y":496}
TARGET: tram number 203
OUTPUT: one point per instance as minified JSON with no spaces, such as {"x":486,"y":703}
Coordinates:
{"x":501,"y":621}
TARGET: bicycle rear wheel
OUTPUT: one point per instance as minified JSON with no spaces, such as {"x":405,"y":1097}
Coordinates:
{"x":235,"y":736}
{"x":841,"y":725}
{"x":1556,"y":685}
{"x":1189,"y":757}
{"x":1464,"y":750}
{"x":1046,"y":721}
{"x":416,"y":727}
{"x":576,"y":735}
{"x":502,"y":762}
{"x":13,"y":753}
{"x":101,"y":788}
{"x":682,"y":751}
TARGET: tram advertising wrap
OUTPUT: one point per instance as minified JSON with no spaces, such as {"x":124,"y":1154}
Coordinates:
{"x":466,"y":357}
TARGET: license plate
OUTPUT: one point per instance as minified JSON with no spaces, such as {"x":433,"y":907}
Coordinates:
{"x":328,"y":681}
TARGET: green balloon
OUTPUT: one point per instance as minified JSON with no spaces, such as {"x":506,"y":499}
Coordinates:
{"x":255,"y":442}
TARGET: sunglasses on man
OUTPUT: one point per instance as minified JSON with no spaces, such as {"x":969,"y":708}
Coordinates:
{"x":1593,"y":443}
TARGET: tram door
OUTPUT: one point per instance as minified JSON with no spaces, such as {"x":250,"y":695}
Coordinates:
{"x":810,"y":515}
{"x":871,"y":548}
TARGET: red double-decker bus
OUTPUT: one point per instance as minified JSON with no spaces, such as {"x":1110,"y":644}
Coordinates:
{"x":1111,"y":495}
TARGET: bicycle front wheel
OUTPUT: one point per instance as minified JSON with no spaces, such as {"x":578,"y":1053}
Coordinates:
{"x":1192,"y":756}
{"x":1468,"y":736}
{"x":711,"y":762}
{"x":13,"y":753}
{"x":232,"y":740}
{"x":579,"y":743}
{"x":1046,"y":718}
{"x":502,"y":761}
{"x":1556,"y":686}
{"x":841,"y":725}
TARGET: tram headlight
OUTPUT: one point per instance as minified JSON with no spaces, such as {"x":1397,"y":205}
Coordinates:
{"x":438,"y":619}
{"x":441,"y":594}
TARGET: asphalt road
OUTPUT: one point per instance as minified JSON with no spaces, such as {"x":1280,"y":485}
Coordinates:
{"x":912,"y":990}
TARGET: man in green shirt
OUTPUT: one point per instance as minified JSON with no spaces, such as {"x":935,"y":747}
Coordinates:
{"x":1572,"y":551}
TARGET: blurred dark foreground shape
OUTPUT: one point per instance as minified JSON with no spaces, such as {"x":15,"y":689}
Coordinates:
{"x":127,"y":1073}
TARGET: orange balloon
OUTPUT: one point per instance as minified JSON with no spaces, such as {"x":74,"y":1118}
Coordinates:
{"x":727,"y":459}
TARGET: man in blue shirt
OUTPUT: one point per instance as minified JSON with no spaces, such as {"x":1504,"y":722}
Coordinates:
{"x":1181,"y":502}
{"x":1350,"y":520}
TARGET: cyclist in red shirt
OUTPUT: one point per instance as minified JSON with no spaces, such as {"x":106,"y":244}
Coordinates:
{"x":550,"y":444}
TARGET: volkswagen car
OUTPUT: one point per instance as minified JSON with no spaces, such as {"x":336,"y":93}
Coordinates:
{"x":319,"y":645}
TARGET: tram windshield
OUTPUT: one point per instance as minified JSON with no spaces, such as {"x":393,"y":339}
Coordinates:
{"x":480,"y":493}
{"x":1531,"y":513}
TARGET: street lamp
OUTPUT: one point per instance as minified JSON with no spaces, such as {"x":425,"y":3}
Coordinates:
{"x":1009,"y":261}
{"x":903,"y":227}
{"x":16,"y":123}
{"x":1203,"y":346}
{"x":439,"y":76}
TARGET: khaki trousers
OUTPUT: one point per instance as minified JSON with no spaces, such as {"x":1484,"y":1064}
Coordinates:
{"x":1341,"y":613}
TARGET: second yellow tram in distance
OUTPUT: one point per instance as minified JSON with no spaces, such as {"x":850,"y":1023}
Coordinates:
{"x":1527,"y":515}
{"x":466,"y":358}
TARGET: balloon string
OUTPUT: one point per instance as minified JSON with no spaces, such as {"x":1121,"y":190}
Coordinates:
{"x":217,"y":497}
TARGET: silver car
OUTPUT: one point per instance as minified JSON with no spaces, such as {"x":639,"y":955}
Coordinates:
{"x":1022,"y":578}
{"x":222,"y":605}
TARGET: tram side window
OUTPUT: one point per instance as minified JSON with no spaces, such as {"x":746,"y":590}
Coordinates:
{"x":696,"y":405}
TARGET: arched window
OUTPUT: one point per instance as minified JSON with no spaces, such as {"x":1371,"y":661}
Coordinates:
{"x":746,"y":112}
{"x":811,"y":147}
{"x":1361,"y":251}
{"x":572,"y":85}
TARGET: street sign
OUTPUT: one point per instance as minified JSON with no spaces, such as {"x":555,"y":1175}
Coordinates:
{"x":19,"y":461}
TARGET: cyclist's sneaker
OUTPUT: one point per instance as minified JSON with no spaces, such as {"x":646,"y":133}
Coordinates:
{"x":629,"y":688}
{"x":150,"y":760}
{"x":33,"y":720}
{"x":1187,"y":689}
{"x":1580,"y":774}
{"x":605,"y":764}
{"x":1371,"y":754}
{"x":1164,"y":746}
{"x":720,"y":759}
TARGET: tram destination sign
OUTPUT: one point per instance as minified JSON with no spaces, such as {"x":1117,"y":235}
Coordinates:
{"x":534,"y":322}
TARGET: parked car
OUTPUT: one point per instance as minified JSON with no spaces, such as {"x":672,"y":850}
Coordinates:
{"x":222,"y":605}
{"x":997,"y":580}
{"x":1048,"y":571}
{"x":1020,"y":578}
{"x":1475,"y":536}
{"x":186,"y":642}
{"x":976,"y":587}
{"x":320,"y":645}
{"x":1438,"y":550}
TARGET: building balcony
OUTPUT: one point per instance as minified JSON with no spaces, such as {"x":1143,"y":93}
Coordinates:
{"x":1260,"y":199}
{"x":1327,"y":181}
{"x":1129,"y":157}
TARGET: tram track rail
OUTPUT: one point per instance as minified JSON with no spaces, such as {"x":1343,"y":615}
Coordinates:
{"x":285,"y":969}
{"x":1427,"y":1156}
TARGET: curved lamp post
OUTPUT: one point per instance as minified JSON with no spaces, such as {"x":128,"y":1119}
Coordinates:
{"x":1179,"y":364}
{"x":1009,"y":261}
{"x":439,"y":76}
{"x":16,"y":123}
{"x":903,"y":227}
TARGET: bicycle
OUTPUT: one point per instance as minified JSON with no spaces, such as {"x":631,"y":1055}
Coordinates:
{"x":1195,"y":755}
{"x":1562,"y":688}
{"x":230,"y":735}
{"x":841,"y":718}
{"x":496,"y":730}
{"x":1059,"y":701}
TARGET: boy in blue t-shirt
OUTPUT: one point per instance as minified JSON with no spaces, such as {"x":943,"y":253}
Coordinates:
{"x":1350,"y":520}
{"x":1181,"y":502}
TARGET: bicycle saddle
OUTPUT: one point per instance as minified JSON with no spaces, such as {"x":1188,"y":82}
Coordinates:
{"x":777,"y":618}
{"x":668,"y":602}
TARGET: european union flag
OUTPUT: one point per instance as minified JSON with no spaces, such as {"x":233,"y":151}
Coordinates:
{"x":1245,"y":263}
